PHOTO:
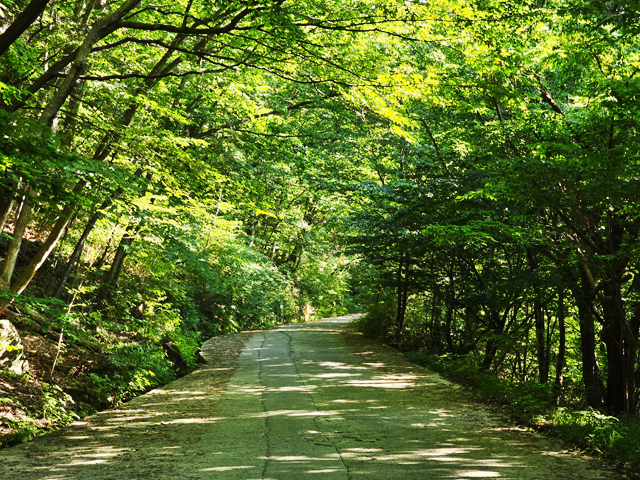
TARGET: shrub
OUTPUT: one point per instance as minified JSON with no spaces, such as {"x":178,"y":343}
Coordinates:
{"x":137,"y":368}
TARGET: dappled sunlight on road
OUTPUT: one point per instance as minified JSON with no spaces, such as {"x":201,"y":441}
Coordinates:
{"x":301,"y":405}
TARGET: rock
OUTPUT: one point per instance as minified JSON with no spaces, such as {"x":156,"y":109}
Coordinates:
{"x":173,"y":354}
{"x":11,"y":351}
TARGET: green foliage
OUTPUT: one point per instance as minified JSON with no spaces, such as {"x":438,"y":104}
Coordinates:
{"x":618,"y":438}
{"x":378,"y":322}
{"x":471,"y":184}
{"x":134,"y":369}
{"x":55,"y":407}
{"x":52,"y":410}
{"x":26,"y":428}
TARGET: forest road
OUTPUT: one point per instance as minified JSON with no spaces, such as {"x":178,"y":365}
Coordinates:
{"x":305,"y":402}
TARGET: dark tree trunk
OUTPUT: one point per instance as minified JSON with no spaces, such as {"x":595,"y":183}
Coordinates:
{"x":593,"y":385}
{"x":112,"y":275}
{"x":543,"y":360}
{"x":29,"y":15}
{"x":399,"y":293}
{"x":489,"y":354}
{"x":620,"y":351}
{"x":562,"y":342}
{"x":451,"y":299}
{"x":121,"y":253}
{"x":77,"y":251}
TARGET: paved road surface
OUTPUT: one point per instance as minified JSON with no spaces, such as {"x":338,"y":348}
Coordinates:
{"x":301,"y":405}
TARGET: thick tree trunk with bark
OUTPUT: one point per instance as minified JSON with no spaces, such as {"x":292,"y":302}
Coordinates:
{"x":26,"y":18}
{"x":621,"y":351}
{"x":590,"y":371}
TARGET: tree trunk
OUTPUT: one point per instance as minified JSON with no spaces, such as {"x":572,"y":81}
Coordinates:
{"x":80,"y":62}
{"x":451,"y":299}
{"x":46,"y":248}
{"x":401,"y":294}
{"x":49,"y":114}
{"x":77,"y":251}
{"x":118,"y":261}
{"x":22,"y":220}
{"x":489,"y":354}
{"x":29,"y":15}
{"x":75,"y":255}
{"x":543,"y":360}
{"x":5,"y":214}
{"x":560,"y":363}
{"x":112,"y":275}
{"x":620,"y":351}
{"x":583,"y":294}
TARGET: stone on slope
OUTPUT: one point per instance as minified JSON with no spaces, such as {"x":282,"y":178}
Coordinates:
{"x":11,"y":351}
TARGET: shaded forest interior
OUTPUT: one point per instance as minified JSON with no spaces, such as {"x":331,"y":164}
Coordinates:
{"x":464,"y":172}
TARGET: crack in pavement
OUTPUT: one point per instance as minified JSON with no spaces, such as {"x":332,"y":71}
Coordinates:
{"x":315,"y":405}
{"x":267,"y":454}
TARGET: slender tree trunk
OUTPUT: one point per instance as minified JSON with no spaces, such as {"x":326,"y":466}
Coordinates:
{"x":5,"y":214}
{"x":77,"y":251}
{"x":46,"y":248}
{"x":29,"y":15}
{"x":48,"y":116}
{"x":634,"y":374}
{"x":405,"y":295}
{"x":399,"y":294}
{"x":80,"y":62}
{"x":436,"y":312}
{"x":451,"y":299}
{"x":23,"y":216}
{"x":111,"y":278}
{"x":543,"y":361}
{"x":562,"y":340}
{"x":98,"y":265}
{"x":489,"y":354}
{"x":7,"y":200}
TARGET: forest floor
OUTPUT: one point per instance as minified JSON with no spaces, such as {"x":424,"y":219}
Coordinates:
{"x":313,"y":400}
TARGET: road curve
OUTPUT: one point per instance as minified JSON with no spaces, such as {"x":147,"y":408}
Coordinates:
{"x":301,"y":405}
